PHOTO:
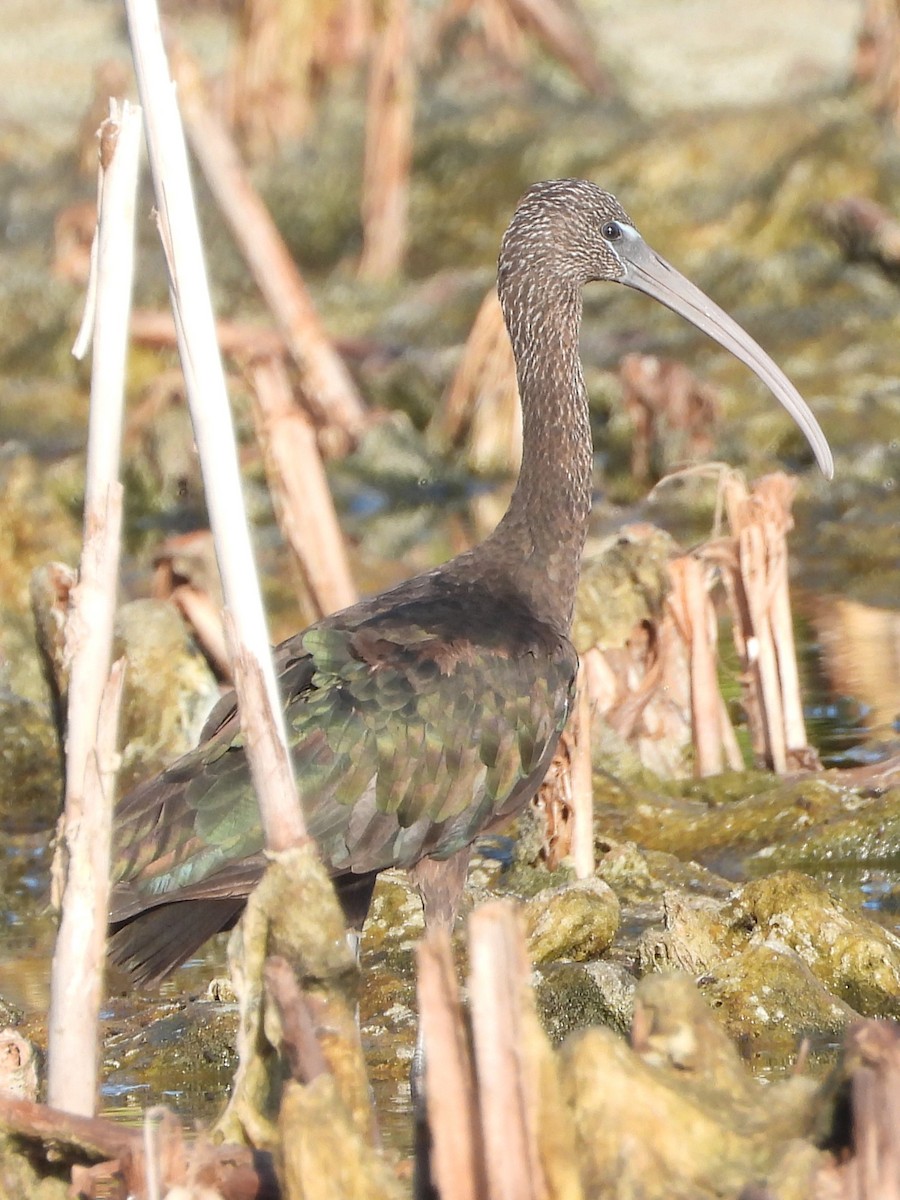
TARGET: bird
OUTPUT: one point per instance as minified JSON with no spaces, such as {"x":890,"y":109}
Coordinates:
{"x":426,"y":715}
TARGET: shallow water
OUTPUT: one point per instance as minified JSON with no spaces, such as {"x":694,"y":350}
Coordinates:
{"x":849,"y":654}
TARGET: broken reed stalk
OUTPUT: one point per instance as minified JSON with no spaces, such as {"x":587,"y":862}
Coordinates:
{"x":50,"y":591}
{"x":566,"y":36}
{"x":300,"y":1046}
{"x":499,"y":1126}
{"x":282,"y":817}
{"x":482,"y":402}
{"x":457,"y":1155}
{"x":873,"y":1172}
{"x":689,"y":601}
{"x":82,"y":864}
{"x":783,"y":637}
{"x":203,"y":618}
{"x":758,"y":592}
{"x":152,"y":327}
{"x":582,"y":784}
{"x":232,"y":1172}
{"x":764,"y":663}
{"x":390,"y":107}
{"x":327,"y":388}
{"x":508,"y":1079}
{"x":303,"y":504}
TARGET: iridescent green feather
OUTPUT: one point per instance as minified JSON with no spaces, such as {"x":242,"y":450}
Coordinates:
{"x":443,"y":732}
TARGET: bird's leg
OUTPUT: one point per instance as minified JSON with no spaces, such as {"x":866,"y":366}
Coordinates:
{"x":354,"y":893}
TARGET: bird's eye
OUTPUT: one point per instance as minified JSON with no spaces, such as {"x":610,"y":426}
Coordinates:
{"x":612,"y":230}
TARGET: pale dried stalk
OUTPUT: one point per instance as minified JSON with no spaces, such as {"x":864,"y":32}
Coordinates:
{"x":690,"y":602}
{"x":270,"y":77}
{"x":76,"y":976}
{"x":482,"y":401}
{"x":327,"y":387}
{"x":502,"y":33}
{"x":508,"y":1081}
{"x":280,"y":812}
{"x":50,"y":588}
{"x":878,"y":54}
{"x":284,"y":51}
{"x":457,"y":1162}
{"x":752,"y":560}
{"x":565,"y":37}
{"x":873,"y":1173}
{"x":94,"y":690}
{"x":204,"y":618}
{"x":744,"y":643}
{"x":759,"y":595}
{"x":783,"y":637}
{"x":299,"y":487}
{"x":582,"y":785}
{"x":389,"y":135}
{"x":733,"y":757}
{"x":211,"y":415}
{"x":151,"y":327}
{"x":300,"y":1045}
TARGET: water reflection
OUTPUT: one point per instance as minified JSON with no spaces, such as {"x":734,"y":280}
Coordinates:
{"x":858,"y":650}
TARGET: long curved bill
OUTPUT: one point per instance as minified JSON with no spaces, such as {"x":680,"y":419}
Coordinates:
{"x":646,"y":271}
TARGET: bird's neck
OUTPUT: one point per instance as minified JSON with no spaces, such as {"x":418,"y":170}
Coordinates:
{"x":538,"y":544}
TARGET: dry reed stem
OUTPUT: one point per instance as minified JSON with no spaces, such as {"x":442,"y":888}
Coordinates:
{"x":582,"y":785}
{"x":81,"y":867}
{"x":281,"y":814}
{"x":328,"y":390}
{"x":668,"y":405}
{"x":205,"y":620}
{"x":303,"y":504}
{"x":76,"y":979}
{"x":754,"y":576}
{"x":390,"y":108}
{"x":734,"y":759}
{"x":502,"y":33}
{"x":783,"y":637}
{"x":742,"y":635}
{"x":261,"y":709}
{"x":482,"y":401}
{"x":564,"y":34}
{"x":93,"y":1137}
{"x":165,"y":1157}
{"x":152,"y":327}
{"x":760,"y":597}
{"x":234,"y":1172}
{"x":185,"y":573}
{"x":457,"y":1155}
{"x":878,"y":54}
{"x":50,"y":589}
{"x":270,"y":75}
{"x":299,"y":1044}
{"x":689,"y":601}
{"x":285,"y":53}
{"x":508,"y":1078}
{"x":873,"y":1173}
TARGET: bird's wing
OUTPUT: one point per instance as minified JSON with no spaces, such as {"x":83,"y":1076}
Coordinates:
{"x":405,"y":741}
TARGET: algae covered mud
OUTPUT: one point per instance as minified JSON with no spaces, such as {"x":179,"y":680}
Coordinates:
{"x":780,"y":895}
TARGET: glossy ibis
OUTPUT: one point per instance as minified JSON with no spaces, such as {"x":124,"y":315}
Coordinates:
{"x":423,"y":716}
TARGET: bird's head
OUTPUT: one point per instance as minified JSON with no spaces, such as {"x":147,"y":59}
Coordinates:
{"x":565,"y":231}
{"x":569,"y":232}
